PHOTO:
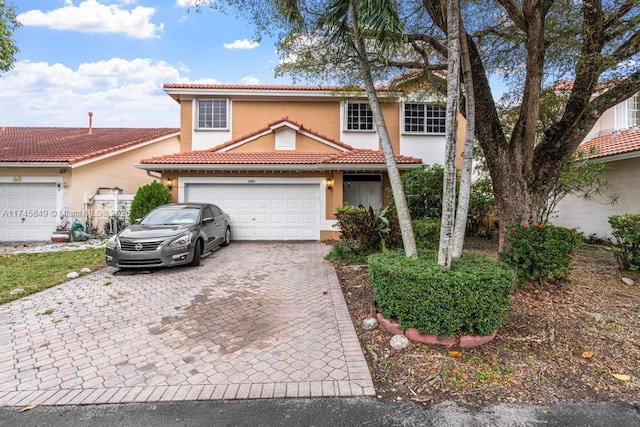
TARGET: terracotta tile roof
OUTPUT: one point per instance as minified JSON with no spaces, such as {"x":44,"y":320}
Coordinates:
{"x":71,"y":145}
{"x":610,"y":144}
{"x":276,"y":158}
{"x":368,"y":157}
{"x":235,"y":158}
{"x":248,"y":87}
{"x":296,"y":88}
{"x":282,"y":120}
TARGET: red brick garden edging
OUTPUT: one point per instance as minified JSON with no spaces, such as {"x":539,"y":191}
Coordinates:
{"x":464,"y":341}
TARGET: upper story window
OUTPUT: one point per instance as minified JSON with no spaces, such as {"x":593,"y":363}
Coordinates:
{"x":212,"y":114}
{"x":359,"y":116}
{"x":633,"y":110}
{"x":424,"y":118}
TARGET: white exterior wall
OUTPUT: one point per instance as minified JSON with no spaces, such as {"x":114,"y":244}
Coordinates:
{"x":591,"y":217}
{"x":429,"y":148}
{"x":616,"y":118}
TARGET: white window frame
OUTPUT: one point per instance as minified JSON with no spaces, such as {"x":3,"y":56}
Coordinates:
{"x":359,"y":123}
{"x":633,"y":110}
{"x":197,"y":114}
{"x":425,"y":117}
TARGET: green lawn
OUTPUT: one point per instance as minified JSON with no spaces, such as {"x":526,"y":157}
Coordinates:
{"x":34,"y":272}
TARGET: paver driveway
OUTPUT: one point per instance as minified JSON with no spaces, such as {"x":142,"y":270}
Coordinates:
{"x":255,"y":320}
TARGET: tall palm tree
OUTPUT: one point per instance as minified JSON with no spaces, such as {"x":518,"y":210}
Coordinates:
{"x":346,"y":20}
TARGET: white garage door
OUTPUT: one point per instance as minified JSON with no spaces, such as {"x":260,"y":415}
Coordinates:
{"x":27,"y":211}
{"x":264,"y":211}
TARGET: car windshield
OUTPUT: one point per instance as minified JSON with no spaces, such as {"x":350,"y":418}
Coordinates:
{"x":171,"y":216}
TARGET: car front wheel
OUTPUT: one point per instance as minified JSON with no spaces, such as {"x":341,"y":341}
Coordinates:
{"x":197,"y":251}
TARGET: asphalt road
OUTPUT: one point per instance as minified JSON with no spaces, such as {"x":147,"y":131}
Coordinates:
{"x":323,"y":412}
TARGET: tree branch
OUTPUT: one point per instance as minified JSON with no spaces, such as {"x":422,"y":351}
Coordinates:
{"x":514,"y":12}
{"x":431,"y":41}
{"x":612,"y":19}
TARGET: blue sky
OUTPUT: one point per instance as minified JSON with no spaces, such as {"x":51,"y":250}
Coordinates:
{"x":111,"y":57}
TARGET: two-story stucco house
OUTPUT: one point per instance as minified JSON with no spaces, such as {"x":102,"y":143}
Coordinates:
{"x":281,"y":159}
{"x":616,"y":140}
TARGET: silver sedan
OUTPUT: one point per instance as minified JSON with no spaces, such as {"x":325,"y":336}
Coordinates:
{"x":173,"y":234}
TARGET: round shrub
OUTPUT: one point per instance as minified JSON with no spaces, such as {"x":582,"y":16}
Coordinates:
{"x":148,"y":197}
{"x":541,"y":251}
{"x":472,"y":297}
{"x":626,"y":230}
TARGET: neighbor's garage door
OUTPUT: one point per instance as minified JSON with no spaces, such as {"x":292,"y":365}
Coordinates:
{"x":264,"y":211}
{"x":27,"y":211}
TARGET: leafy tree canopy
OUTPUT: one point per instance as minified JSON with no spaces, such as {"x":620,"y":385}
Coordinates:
{"x":8,"y":24}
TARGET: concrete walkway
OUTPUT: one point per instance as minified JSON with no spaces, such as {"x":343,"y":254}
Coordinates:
{"x":255,"y":320}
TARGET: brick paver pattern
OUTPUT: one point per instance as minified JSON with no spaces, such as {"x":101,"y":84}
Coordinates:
{"x":255,"y":320}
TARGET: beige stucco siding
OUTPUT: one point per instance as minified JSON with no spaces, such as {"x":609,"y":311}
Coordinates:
{"x":391,"y":113}
{"x":186,"y":125}
{"x":114,"y":171}
{"x":17,"y":173}
{"x":591,"y":217}
{"x":249,"y":116}
{"x":267,"y":143}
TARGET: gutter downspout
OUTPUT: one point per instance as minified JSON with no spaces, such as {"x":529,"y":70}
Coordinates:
{"x":149,"y":173}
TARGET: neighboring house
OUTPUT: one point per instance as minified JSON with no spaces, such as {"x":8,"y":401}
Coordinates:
{"x":51,"y":176}
{"x":281,"y":159}
{"x":616,"y":141}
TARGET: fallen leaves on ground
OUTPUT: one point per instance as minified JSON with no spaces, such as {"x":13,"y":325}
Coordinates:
{"x":572,"y":342}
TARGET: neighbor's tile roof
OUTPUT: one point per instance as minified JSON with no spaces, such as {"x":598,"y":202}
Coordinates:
{"x":54,"y":144}
{"x":277,"y":158}
{"x":610,"y":144}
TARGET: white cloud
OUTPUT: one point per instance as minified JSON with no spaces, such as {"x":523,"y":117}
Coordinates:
{"x":120,"y":93}
{"x":192,"y":3}
{"x":250,"y":80}
{"x":90,"y":16}
{"x":242,"y":44}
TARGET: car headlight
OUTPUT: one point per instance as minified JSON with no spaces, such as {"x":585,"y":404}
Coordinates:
{"x":184,"y":240}
{"x":112,"y":243}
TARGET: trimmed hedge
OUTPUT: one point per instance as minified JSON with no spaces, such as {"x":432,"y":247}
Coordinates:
{"x":471,"y":298}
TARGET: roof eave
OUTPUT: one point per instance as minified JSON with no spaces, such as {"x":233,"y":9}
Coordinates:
{"x":34,"y":164}
{"x":225,"y":167}
{"x":367,"y":166}
{"x":178,"y":93}
{"x":615,"y":157}
{"x":158,"y":167}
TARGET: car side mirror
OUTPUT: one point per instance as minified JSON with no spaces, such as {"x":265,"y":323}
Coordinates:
{"x":207,"y":220}
{"x":137,"y":221}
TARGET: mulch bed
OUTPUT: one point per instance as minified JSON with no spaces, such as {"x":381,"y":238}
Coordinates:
{"x":573,"y":342}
